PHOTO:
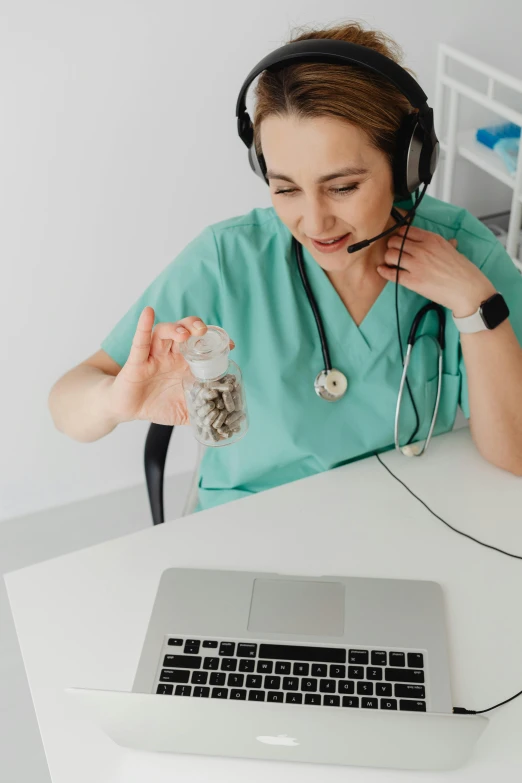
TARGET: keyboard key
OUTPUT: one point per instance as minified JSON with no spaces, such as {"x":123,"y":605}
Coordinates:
{"x":373,"y":673}
{"x":331,"y":701}
{"x":346,"y":686}
{"x":217,"y":678}
{"x":170,"y":675}
{"x":365,"y":688}
{"x":236,"y":680}
{"x":312,"y":698}
{"x":192,"y":647}
{"x":211,"y":663}
{"x":220,"y":693}
{"x":302,"y":669}
{"x":165,"y":689}
{"x":183,"y":690}
{"x":308,"y":684}
{"x":356,"y":672}
{"x":294,"y":698}
{"x":283,"y":667}
{"x":290,"y":652}
{"x":256,"y":695}
{"x":276,"y":696}
{"x":358,"y":656}
{"x":272,"y":682}
{"x":245,"y":650}
{"x":246,"y":665}
{"x":238,"y":694}
{"x":337,"y":671}
{"x":410,"y":691}
{"x":383,"y":689}
{"x":228,"y":664}
{"x":319,"y":670}
{"x":254,"y":681}
{"x":350,"y":701}
{"x":209,"y":643}
{"x":397,"y":659}
{"x":199,"y":678}
{"x":227,"y":648}
{"x":290,"y":683}
{"x":412,"y":706}
{"x":327,"y":686}
{"x":265,"y":667}
{"x":378,"y":658}
{"x":175,"y":642}
{"x":416,"y":660}
{"x":404,"y":675}
{"x":201,"y":692}
{"x":182,"y":661}
{"x":369,"y":704}
{"x":388,"y":704}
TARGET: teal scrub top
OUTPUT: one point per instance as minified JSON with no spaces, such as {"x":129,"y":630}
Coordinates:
{"x":241,"y":274}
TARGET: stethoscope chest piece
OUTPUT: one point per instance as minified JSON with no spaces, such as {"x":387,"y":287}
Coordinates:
{"x":330,"y":385}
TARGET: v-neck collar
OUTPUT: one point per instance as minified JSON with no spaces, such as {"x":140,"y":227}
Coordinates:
{"x":377,"y":328}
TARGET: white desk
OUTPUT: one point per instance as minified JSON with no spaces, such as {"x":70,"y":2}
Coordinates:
{"x":81,"y":618}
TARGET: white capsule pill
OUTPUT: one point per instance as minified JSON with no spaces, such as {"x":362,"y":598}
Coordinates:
{"x":208,"y":394}
{"x":220,"y":404}
{"x":210,"y":417}
{"x":213,"y":435}
{"x":206,"y":408}
{"x":220,"y":418}
{"x":229,"y":402}
{"x":237,"y":416}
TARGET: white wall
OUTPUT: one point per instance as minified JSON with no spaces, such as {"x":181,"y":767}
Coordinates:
{"x":118,"y":145}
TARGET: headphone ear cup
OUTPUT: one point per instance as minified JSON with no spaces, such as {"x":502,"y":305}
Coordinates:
{"x":409,"y":148}
{"x":257,"y":164}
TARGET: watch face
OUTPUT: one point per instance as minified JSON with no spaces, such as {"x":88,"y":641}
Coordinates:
{"x":494,"y":311}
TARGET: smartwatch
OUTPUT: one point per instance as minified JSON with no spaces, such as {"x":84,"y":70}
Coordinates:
{"x":490,"y":314}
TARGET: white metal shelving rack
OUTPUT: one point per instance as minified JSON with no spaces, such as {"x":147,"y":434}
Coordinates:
{"x":464,"y":143}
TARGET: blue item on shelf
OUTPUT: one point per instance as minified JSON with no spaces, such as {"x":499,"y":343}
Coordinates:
{"x":508,"y":149}
{"x":493,"y":133}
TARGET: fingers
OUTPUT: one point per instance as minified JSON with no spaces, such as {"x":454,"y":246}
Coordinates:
{"x":167,"y":333}
{"x":140,"y":348}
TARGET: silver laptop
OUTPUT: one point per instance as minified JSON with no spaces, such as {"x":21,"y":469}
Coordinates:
{"x":330,"y":669}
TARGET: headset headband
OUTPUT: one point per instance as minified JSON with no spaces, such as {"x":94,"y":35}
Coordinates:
{"x":336,"y":52}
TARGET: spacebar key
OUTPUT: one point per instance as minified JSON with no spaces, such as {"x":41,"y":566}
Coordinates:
{"x":291,"y":652}
{"x":404,"y":675}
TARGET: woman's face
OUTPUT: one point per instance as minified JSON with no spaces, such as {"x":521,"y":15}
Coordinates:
{"x":358,"y":203}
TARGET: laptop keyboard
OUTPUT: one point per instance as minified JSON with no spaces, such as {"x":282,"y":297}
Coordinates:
{"x":386,"y":679}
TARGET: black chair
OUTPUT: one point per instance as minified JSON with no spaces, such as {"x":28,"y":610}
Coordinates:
{"x":156,"y":447}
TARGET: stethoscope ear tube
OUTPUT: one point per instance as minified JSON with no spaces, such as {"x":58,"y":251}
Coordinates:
{"x":414,"y":450}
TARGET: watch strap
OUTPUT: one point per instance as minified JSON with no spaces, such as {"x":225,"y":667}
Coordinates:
{"x":470,"y":323}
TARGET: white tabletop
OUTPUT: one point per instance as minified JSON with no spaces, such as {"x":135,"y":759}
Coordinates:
{"x":81,"y":618}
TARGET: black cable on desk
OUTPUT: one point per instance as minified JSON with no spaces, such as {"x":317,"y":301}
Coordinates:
{"x":458,"y":710}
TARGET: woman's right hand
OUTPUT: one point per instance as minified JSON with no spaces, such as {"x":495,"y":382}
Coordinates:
{"x":149,"y":385}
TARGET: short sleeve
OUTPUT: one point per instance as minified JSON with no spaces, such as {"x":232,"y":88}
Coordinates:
{"x":501,"y":271}
{"x":188,"y":285}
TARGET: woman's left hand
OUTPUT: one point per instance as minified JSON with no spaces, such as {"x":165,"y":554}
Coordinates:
{"x":433,"y":268}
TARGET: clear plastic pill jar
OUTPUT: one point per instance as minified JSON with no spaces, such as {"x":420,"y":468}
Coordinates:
{"x":214,"y":390}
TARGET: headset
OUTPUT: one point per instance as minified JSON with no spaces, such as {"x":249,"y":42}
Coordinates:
{"x":414,"y":163}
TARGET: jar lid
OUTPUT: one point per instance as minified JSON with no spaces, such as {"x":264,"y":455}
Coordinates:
{"x":207,"y":355}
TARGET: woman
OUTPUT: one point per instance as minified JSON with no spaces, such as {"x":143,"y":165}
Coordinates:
{"x":311,"y":120}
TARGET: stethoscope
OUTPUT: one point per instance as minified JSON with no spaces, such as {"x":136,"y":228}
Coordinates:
{"x":331,"y":384}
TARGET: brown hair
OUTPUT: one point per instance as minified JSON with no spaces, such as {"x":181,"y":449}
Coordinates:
{"x":361,"y":97}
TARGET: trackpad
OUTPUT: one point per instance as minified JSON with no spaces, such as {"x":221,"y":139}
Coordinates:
{"x":297,"y":607}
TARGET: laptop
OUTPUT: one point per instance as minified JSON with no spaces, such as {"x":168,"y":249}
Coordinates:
{"x":329,"y":670}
